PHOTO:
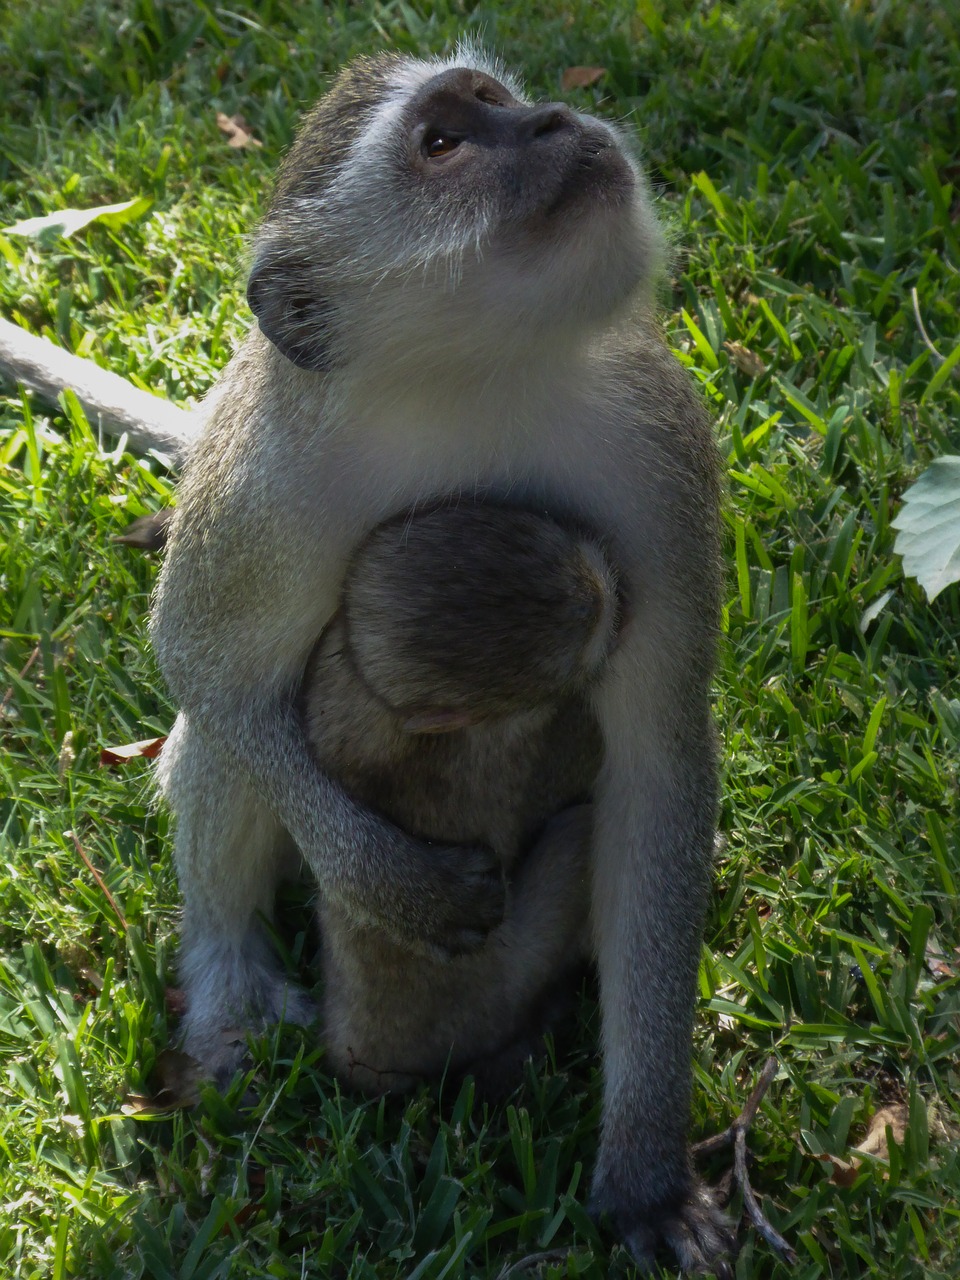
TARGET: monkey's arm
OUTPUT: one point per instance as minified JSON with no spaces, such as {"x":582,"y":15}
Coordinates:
{"x":654,"y":832}
{"x":655,"y":810}
{"x":469,"y":613}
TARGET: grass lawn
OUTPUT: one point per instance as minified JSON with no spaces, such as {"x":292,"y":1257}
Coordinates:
{"x":807,"y":159}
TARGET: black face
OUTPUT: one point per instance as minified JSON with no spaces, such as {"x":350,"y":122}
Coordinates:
{"x":466,"y":130}
{"x":460,"y":187}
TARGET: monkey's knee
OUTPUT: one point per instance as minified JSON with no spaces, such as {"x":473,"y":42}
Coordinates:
{"x":549,"y":910}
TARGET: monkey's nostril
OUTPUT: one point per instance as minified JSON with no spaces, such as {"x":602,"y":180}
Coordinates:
{"x":548,"y":119}
{"x":556,"y":118}
{"x":553,"y":122}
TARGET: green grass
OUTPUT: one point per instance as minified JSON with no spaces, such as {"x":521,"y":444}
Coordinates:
{"x":807,"y":159}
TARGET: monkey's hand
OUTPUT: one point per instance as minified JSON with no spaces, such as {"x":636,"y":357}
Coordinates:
{"x":435,"y":900}
{"x":689,"y":1223}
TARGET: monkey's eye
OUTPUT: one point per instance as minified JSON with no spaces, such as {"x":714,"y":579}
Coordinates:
{"x":438,"y":144}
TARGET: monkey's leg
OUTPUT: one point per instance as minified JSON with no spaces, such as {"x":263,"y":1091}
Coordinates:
{"x":230,"y":853}
{"x":654,"y":831}
{"x":544,"y":948}
{"x":392,"y":1018}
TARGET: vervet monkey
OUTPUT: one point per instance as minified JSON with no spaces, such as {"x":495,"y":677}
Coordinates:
{"x":449,"y":695}
{"x":453,"y":294}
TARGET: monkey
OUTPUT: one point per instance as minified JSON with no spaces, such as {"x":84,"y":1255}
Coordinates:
{"x":447,"y":694}
{"x":459,"y":617}
{"x":462,"y":616}
{"x":454,"y":295}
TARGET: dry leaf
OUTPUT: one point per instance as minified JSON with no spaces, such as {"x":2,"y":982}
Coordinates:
{"x":236,"y":130}
{"x":66,"y":222}
{"x":581,"y":77}
{"x":147,"y":749}
{"x":747,"y":361}
{"x":843,"y":1173}
{"x":174,"y":1083}
{"x":875,"y":1143}
{"x":936,"y":959}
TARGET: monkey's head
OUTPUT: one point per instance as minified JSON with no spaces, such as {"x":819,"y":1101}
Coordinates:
{"x":429,"y":210}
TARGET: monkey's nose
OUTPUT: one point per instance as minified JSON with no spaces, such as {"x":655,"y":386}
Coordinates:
{"x":549,"y":118}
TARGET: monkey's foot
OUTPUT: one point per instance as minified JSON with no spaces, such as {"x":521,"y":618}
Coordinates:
{"x":230,"y":993}
{"x":691,"y":1225}
{"x":736,"y":1136}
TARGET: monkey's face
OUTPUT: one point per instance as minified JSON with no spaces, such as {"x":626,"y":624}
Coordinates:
{"x":440,"y":210}
{"x":526,"y":169}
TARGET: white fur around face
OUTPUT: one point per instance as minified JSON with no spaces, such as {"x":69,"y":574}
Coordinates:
{"x":436,"y":277}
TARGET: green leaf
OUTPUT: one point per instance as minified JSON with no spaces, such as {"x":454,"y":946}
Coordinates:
{"x":929,"y":527}
{"x":66,"y":222}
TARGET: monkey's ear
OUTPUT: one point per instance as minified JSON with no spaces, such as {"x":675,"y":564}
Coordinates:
{"x":298,"y":323}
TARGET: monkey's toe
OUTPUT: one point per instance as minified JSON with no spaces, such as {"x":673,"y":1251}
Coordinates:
{"x":231,"y":1001}
{"x":702,"y":1237}
{"x":692,"y":1227}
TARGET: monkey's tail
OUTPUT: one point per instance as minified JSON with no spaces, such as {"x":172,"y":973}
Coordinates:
{"x":109,"y":401}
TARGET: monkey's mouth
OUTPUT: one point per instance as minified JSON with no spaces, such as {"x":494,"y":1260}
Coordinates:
{"x":598,"y":175}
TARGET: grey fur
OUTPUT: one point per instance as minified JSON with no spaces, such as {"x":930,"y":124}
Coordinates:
{"x":469,"y":323}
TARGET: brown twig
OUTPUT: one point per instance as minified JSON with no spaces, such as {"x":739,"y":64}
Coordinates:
{"x":20,"y":674}
{"x":736,"y":1136}
{"x":744,"y":1120}
{"x":98,"y":877}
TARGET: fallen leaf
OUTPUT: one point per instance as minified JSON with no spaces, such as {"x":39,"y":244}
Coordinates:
{"x":236,"y":130}
{"x":147,"y":749}
{"x":843,"y":1173}
{"x":173,"y":1084}
{"x":875,"y":1143}
{"x":747,"y":361}
{"x":67,"y":221}
{"x":241,"y":1217}
{"x":936,"y":959}
{"x":581,"y":77}
{"x":928,"y":522}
